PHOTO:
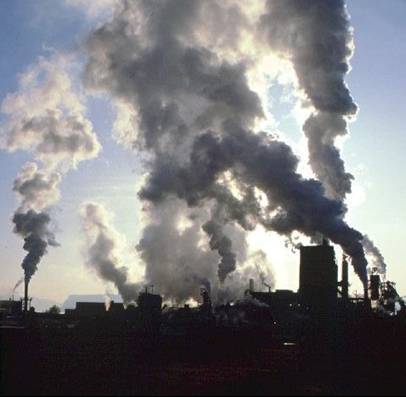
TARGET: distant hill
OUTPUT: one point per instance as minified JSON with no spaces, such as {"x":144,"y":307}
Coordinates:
{"x":70,"y":302}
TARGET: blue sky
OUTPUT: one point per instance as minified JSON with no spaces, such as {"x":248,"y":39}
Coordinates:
{"x":375,"y":152}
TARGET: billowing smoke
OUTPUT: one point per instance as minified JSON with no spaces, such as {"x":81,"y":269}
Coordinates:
{"x":33,"y":227}
{"x":102,"y":250}
{"x":193,"y":113}
{"x":36,"y":189}
{"x":316,"y":36}
{"x":221,"y":243}
{"x":298,"y":204}
{"x":46,"y":116}
{"x":375,"y":256}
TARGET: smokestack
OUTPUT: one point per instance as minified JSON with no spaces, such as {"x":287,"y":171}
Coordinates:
{"x":344,"y":278}
{"x":367,"y":301}
{"x":251,"y":285}
{"x":375,"y":286}
{"x":26,"y":282}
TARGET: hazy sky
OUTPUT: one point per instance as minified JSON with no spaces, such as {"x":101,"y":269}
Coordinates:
{"x":374,"y":153}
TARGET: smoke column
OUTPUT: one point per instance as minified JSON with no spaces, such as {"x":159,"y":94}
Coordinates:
{"x":102,"y":248}
{"x":46,"y":117}
{"x":377,"y":259}
{"x":191,"y":111}
{"x":317,"y":37}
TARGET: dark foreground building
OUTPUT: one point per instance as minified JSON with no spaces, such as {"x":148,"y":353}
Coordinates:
{"x":316,"y":341}
{"x":318,"y":278}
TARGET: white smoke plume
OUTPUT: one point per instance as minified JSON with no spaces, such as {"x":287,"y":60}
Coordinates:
{"x":192,"y":111}
{"x":45,"y":116}
{"x":103,"y":250}
{"x":377,"y":260}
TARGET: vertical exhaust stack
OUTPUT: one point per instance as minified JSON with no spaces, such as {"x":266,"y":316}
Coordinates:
{"x":344,"y":278}
{"x":251,"y":285}
{"x":367,"y":301}
{"x":26,"y":282}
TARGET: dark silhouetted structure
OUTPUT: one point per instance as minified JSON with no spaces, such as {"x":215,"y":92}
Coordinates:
{"x":87,"y":310}
{"x":26,"y":282}
{"x":11,"y":307}
{"x":344,"y":279}
{"x":375,"y":285}
{"x":318,"y":278}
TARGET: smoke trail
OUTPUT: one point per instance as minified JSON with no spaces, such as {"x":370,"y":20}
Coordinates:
{"x":377,"y":259}
{"x":47,"y":117}
{"x":102,"y":247}
{"x":18,"y":283}
{"x":194,"y":113}
{"x":316,"y":36}
{"x":223,"y":245}
{"x":270,"y":166}
{"x":34,"y":228}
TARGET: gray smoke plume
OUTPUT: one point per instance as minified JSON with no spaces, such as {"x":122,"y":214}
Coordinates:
{"x":270,"y":166}
{"x":18,"y":283}
{"x":102,"y":250}
{"x":177,"y":262}
{"x":36,"y":189}
{"x":220,"y":242}
{"x":376,"y":257}
{"x":45,"y":116}
{"x":316,"y":36}
{"x":34,"y":228}
{"x":194,"y":114}
{"x":178,"y":257}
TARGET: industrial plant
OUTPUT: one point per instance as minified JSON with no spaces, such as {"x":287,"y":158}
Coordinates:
{"x":307,"y":328}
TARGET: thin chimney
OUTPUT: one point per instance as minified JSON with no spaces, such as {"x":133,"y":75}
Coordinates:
{"x":26,"y":282}
{"x":344,"y":278}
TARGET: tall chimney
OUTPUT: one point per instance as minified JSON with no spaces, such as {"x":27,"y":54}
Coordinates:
{"x":26,"y":282}
{"x":251,"y":285}
{"x":367,"y":301}
{"x":344,"y":278}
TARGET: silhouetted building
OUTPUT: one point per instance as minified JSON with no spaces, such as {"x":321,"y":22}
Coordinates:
{"x":375,"y":285}
{"x":116,"y":308}
{"x":149,"y":304}
{"x":318,"y":277}
{"x":87,"y":310}
{"x":11,"y":307}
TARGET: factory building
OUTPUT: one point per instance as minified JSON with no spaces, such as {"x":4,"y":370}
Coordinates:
{"x":318,"y":278}
{"x":10,"y":308}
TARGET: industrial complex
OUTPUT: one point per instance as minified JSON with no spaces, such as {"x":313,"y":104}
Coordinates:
{"x":321,"y":337}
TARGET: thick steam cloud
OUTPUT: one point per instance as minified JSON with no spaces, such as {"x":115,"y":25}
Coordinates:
{"x":194,"y":113}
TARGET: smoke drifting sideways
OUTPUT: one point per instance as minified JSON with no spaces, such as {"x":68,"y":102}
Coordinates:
{"x":316,"y":36}
{"x":46,"y":116}
{"x":102,"y":250}
{"x":193,"y":113}
{"x":377,"y":260}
